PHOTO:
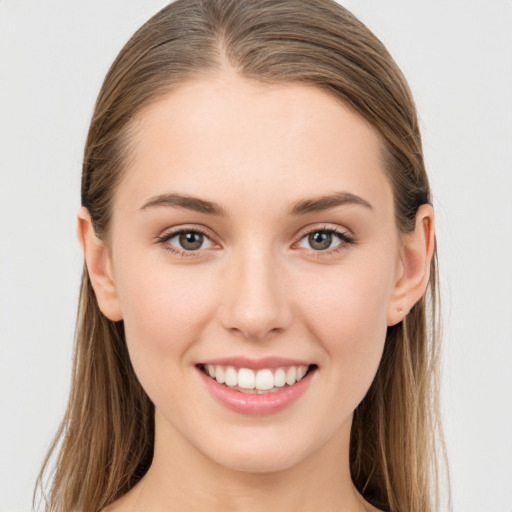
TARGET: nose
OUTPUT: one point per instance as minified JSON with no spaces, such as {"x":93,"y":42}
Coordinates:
{"x":255,"y":303}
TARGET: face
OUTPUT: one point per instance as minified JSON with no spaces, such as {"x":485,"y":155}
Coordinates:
{"x":253,"y":238}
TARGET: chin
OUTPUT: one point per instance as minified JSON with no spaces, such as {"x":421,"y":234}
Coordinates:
{"x":261,"y":462}
{"x":267,"y":451}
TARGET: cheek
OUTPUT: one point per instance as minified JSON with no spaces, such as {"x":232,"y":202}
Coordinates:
{"x":346,"y":311}
{"x":347,"y":299}
{"x":164,"y":310}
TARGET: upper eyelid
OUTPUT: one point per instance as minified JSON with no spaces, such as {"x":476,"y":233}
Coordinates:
{"x":324,"y":227}
{"x":173,"y":231}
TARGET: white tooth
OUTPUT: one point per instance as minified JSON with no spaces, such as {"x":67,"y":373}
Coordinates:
{"x":210,"y":368}
{"x":220,"y":375}
{"x":291,"y":375}
{"x":279,"y":378}
{"x":246,"y":378}
{"x":264,"y":380}
{"x":301,"y":371}
{"x":231,"y":376}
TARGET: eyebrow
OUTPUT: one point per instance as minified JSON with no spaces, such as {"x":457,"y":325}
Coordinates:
{"x":187,"y":202}
{"x":326,"y":202}
{"x":302,"y":207}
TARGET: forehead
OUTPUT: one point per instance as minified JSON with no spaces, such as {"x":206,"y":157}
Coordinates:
{"x":228,"y":136}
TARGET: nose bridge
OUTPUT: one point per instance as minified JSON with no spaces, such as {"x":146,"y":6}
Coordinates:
{"x":254,"y":300}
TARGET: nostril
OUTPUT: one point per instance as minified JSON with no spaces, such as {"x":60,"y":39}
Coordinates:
{"x":254,"y":333}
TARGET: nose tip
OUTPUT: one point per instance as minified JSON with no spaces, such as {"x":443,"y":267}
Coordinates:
{"x":255,"y":312}
{"x":255,"y":305}
{"x":255,"y":330}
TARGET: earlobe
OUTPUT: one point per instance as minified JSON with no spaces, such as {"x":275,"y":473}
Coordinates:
{"x":415,"y":257}
{"x":99,"y":265}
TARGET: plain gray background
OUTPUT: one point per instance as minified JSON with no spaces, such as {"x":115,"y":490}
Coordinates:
{"x":457,"y":56}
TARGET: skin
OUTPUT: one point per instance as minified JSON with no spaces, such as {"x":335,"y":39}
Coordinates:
{"x":256,"y":287}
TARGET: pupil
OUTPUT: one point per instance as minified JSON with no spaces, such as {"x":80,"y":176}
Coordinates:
{"x":320,"y":240}
{"x":191,"y":241}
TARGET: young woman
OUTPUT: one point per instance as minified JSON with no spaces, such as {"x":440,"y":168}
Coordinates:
{"x":254,"y":330}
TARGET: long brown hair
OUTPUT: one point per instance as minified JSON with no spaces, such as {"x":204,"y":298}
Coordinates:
{"x":105,"y":442}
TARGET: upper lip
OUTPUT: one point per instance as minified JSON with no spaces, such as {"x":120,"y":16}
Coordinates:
{"x":256,"y":364}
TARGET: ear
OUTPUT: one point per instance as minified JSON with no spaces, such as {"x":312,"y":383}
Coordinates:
{"x":415,"y":256}
{"x":99,"y":265}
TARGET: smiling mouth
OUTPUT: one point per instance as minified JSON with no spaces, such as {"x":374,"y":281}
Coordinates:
{"x":263,"y":381}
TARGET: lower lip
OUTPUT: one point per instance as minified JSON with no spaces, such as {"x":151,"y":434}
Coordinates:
{"x":253,"y":404}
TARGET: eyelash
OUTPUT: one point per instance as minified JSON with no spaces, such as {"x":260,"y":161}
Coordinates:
{"x":165,"y":237}
{"x":344,"y":237}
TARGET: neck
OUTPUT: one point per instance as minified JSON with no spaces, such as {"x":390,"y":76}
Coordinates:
{"x":181,"y":478}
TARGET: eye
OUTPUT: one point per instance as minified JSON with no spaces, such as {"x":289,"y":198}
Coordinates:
{"x":324,"y":240}
{"x":186,"y":240}
{"x":320,"y":240}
